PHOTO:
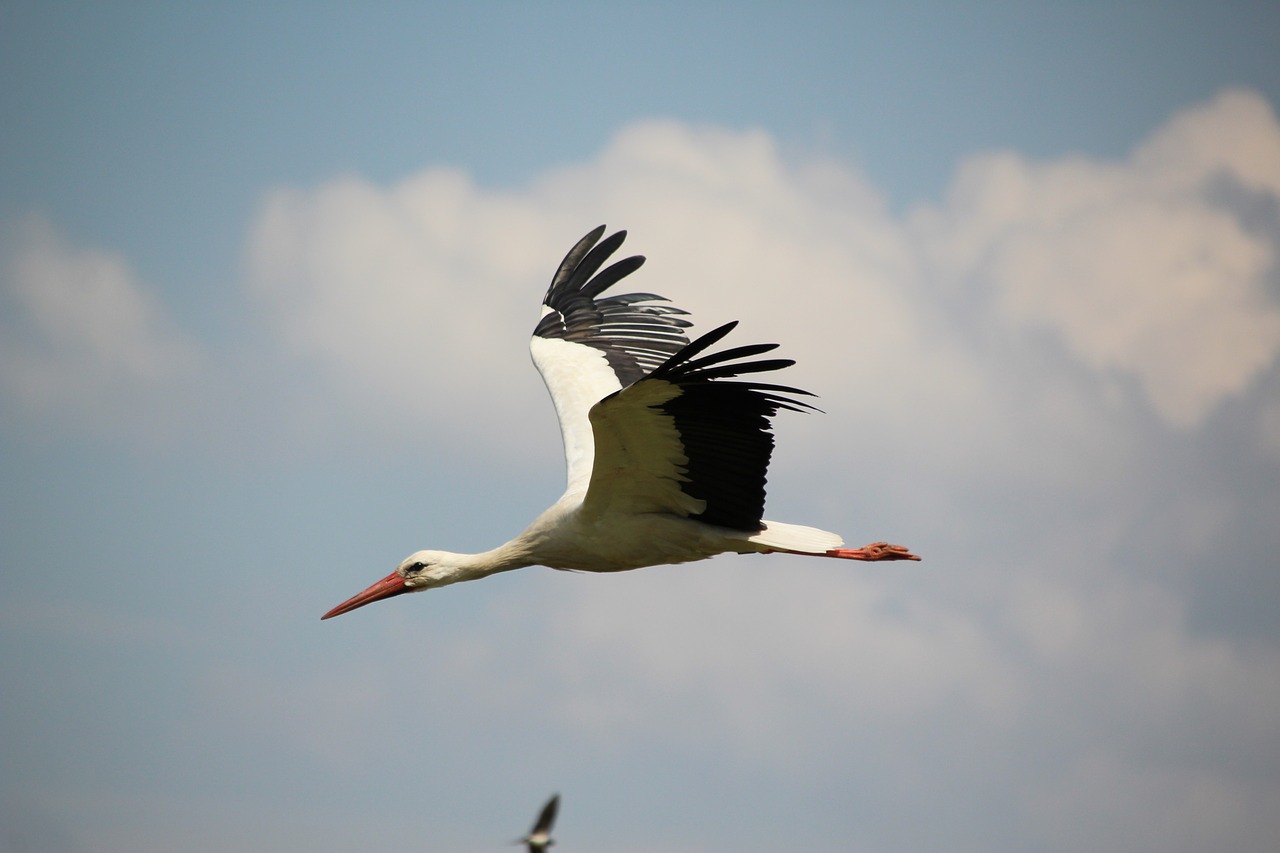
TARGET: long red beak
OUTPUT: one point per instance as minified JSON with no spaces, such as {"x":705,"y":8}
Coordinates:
{"x":389,"y":586}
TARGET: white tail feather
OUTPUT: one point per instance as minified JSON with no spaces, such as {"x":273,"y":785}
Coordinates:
{"x":796,"y":537}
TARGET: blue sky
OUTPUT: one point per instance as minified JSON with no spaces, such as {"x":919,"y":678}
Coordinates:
{"x":266,"y":277}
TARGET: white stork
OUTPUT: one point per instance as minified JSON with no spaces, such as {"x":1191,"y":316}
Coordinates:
{"x":666,"y":453}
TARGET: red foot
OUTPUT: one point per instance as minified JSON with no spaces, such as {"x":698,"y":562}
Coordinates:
{"x":872,"y":552}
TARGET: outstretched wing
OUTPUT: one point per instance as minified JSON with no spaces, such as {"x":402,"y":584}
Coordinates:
{"x":688,"y":440}
{"x":587,"y":346}
{"x":539,"y":838}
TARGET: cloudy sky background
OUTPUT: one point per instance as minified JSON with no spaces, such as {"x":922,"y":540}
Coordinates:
{"x":266,"y":279}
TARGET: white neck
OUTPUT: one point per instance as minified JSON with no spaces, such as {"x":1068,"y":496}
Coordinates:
{"x":448,"y":568}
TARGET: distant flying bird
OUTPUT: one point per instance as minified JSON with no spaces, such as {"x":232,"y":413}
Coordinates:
{"x":539,"y":838}
{"x":666,"y":453}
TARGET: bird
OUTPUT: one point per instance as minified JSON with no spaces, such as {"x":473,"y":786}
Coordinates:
{"x":666,"y":443}
{"x":539,"y":838}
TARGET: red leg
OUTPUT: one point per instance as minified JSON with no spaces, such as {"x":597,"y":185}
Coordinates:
{"x":872,"y":552}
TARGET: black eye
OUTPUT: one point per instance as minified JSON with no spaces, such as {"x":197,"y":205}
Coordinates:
{"x":417,"y":567}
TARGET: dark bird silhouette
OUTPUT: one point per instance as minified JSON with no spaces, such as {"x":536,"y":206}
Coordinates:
{"x":539,"y":838}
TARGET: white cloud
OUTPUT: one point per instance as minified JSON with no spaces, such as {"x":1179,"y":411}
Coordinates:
{"x":419,"y":298}
{"x":416,"y":301}
{"x":1236,"y":134}
{"x":922,"y":337}
{"x":977,"y":362}
{"x":82,"y":336}
{"x":1133,"y":266}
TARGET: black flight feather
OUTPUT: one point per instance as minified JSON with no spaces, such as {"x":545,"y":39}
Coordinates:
{"x":724,"y":426}
{"x":634,"y":335}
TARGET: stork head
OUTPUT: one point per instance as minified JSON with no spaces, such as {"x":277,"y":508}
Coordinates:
{"x":418,"y":571}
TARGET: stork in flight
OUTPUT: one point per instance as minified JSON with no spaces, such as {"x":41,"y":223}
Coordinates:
{"x":666,"y":450}
{"x":539,"y":838}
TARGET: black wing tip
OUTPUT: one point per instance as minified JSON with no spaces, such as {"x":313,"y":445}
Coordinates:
{"x":591,"y":240}
{"x":587,"y":241}
{"x":728,"y":364}
{"x":576,"y":254}
{"x":696,"y":346}
{"x":577,"y":271}
{"x":635,"y":334}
